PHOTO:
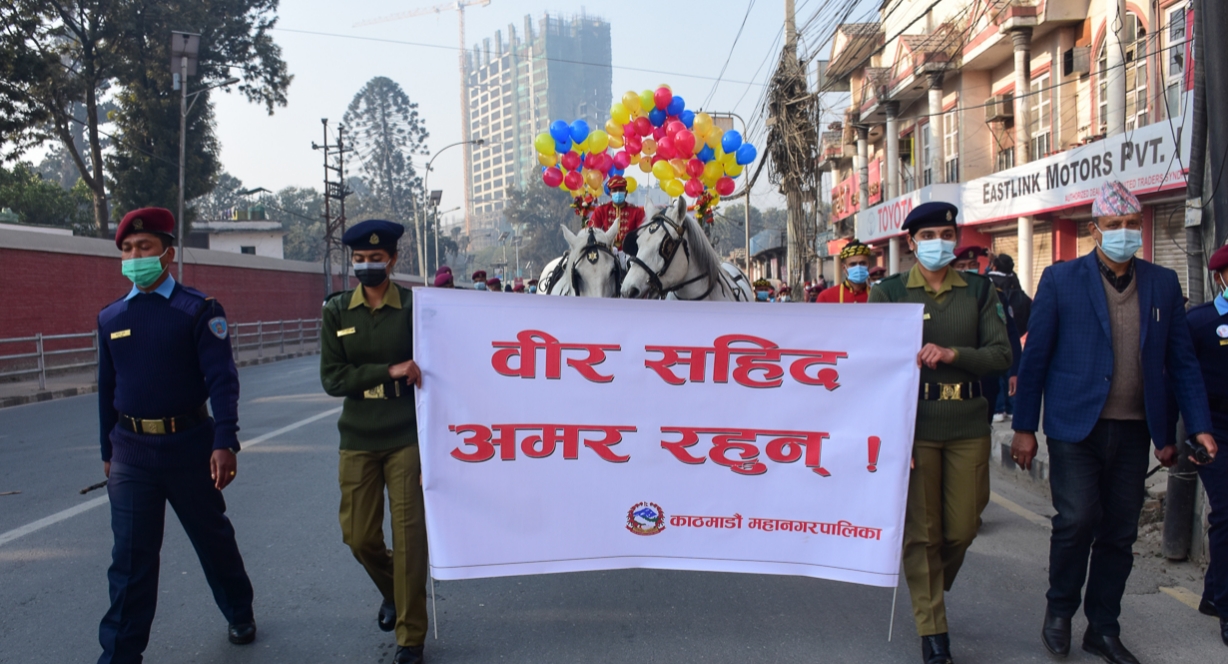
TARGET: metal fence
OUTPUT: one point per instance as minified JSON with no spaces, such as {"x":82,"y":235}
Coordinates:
{"x":57,"y":353}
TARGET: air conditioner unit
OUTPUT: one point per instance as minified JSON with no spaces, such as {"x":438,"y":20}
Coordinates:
{"x":1077,"y":60}
{"x":1000,"y":108}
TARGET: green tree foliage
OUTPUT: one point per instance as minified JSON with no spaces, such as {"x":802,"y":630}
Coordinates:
{"x":222,"y":197}
{"x":69,"y":52}
{"x":387,"y":132}
{"x":541,"y":210}
{"x":44,"y":202}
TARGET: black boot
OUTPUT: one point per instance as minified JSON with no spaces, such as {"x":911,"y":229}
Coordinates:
{"x":1055,"y":634}
{"x":408,"y":655}
{"x":1206,"y":608}
{"x":1223,"y":630}
{"x":387,"y":616}
{"x":936,"y":649}
{"x":1108,"y":648}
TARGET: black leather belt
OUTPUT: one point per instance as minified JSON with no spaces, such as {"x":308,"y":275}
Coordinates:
{"x":161,"y":426}
{"x":393,"y":389}
{"x":949,"y":391}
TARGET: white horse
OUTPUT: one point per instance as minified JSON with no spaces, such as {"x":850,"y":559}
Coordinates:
{"x":589,"y":267}
{"x":675,"y":259}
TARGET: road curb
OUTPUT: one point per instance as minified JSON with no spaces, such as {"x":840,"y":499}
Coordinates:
{"x":50,"y":395}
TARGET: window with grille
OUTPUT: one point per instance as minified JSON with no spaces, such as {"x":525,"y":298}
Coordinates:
{"x":1134,"y":41}
{"x":1040,"y":117}
{"x":927,"y":157}
{"x":1006,"y":159}
{"x":950,"y":144}
{"x":1176,"y":60}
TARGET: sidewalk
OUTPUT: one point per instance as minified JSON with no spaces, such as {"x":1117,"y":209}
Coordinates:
{"x":76,"y":383}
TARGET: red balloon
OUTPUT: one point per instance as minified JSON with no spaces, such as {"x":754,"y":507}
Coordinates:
{"x":658,"y":134}
{"x":724,"y":186}
{"x":665,"y":147}
{"x":694,"y":188}
{"x":570,"y":160}
{"x":695,"y":167}
{"x":552,"y":176}
{"x":623,"y":160}
{"x":629,"y":130}
{"x":684,"y":143}
{"x":674,"y":127}
{"x":643,"y":126}
{"x":604,"y":162}
{"x":573,"y":180}
{"x":590,"y":160}
{"x":634,"y":144}
{"x":662,"y":97}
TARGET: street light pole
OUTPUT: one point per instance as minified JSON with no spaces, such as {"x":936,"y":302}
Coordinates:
{"x":183,"y":133}
{"x":425,"y":192}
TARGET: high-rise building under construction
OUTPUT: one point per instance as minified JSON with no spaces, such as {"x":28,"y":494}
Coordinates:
{"x":558,"y":69}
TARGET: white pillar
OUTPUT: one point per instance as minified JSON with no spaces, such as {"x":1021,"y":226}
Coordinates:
{"x":1022,"y":39}
{"x":893,"y":255}
{"x":1023,"y":262}
{"x":892,"y":138}
{"x":1115,"y":76}
{"x":863,"y":169}
{"x":937,"y":164}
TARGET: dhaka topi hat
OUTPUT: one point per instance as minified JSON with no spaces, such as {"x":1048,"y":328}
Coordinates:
{"x":1114,"y":200}
{"x":145,"y":220}
{"x":855,"y":248}
{"x":373,"y":234}
{"x":925,"y":215}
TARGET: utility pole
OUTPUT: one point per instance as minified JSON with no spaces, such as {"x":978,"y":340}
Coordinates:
{"x":334,"y":227}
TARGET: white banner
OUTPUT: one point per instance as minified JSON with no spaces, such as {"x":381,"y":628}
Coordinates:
{"x":573,"y":434}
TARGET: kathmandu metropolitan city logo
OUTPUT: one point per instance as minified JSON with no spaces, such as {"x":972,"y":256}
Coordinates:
{"x":645,"y":519}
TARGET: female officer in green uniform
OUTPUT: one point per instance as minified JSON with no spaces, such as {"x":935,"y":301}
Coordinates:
{"x":366,"y":357}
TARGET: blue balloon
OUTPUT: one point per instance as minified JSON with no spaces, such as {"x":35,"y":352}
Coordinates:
{"x":563,"y":147}
{"x":731,"y":141}
{"x":687,"y":118}
{"x":579,"y":131}
{"x":560,"y":132}
{"x":676,"y":106}
{"x":707,"y":154}
{"x":746,"y":154}
{"x":657,"y":117}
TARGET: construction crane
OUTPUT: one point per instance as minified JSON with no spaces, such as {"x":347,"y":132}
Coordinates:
{"x":457,"y":6}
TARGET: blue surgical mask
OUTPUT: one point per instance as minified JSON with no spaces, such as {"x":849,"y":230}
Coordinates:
{"x":619,"y":197}
{"x":480,"y":286}
{"x":858,"y":274}
{"x":532,"y":289}
{"x":1121,"y":244}
{"x":935,"y":254}
{"x":762,"y":295}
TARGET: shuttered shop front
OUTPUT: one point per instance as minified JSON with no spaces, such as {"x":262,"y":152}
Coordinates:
{"x":1007,"y":242}
{"x":1168,"y":239}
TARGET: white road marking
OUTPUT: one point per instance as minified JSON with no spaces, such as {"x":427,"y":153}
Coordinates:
{"x":35,"y":526}
{"x":1016,"y":508}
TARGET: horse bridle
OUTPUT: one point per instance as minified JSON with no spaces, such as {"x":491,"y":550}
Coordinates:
{"x":590,"y":252}
{"x":668,"y":251}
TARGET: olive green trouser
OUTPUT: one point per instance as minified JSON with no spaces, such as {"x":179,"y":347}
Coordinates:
{"x":399,"y":573}
{"x":948,"y":488}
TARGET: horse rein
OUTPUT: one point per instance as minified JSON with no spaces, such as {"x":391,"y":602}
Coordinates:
{"x":668,"y":251}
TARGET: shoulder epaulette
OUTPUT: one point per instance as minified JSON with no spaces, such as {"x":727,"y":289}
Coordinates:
{"x":192,"y":291}
{"x":112,"y":310}
{"x":330,"y":296}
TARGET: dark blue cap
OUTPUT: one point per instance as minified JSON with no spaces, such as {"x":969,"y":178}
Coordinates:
{"x":935,"y":213}
{"x":373,"y":234}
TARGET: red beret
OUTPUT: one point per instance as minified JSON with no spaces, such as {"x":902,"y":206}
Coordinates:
{"x":1219,"y":259}
{"x":145,"y":220}
{"x":969,"y":251}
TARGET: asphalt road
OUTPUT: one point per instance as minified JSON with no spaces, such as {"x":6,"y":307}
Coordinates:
{"x":314,"y":604}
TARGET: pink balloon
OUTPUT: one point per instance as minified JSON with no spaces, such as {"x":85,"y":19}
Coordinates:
{"x":665,"y":147}
{"x":684,"y":142}
{"x":662,"y":97}
{"x":643,"y":126}
{"x":694,"y":188}
{"x":724,"y":186}
{"x":629,"y":130}
{"x":695,"y":167}
{"x":552,"y":176}
{"x":658,"y":133}
{"x":623,"y":160}
{"x":634,"y":144}
{"x":570,"y":161}
{"x":604,"y":162}
{"x":674,"y":127}
{"x":573,"y":180}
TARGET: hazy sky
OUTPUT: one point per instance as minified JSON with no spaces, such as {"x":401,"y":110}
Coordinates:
{"x":688,"y":41}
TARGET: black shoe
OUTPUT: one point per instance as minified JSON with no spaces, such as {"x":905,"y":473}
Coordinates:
{"x":1055,"y":634}
{"x":936,"y":649}
{"x":1223,"y":630}
{"x":408,"y":655}
{"x":387,"y":616}
{"x":1206,"y":608}
{"x":242,"y":634}
{"x":1108,"y":648}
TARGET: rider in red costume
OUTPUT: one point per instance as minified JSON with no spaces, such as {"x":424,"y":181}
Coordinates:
{"x":630,"y":217}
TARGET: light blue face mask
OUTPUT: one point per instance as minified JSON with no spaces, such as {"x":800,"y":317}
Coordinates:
{"x":762,"y":295}
{"x":1119,"y":245}
{"x":619,"y":197}
{"x":935,"y":254}
{"x":480,"y":286}
{"x":859,"y":274}
{"x":143,"y":272}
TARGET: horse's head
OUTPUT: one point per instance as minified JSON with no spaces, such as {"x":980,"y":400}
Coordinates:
{"x":592,"y":267}
{"x":659,"y":242}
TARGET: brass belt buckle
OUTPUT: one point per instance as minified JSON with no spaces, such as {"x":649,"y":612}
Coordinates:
{"x":376,"y":392}
{"x":950,"y":392}
{"x":153,"y":427}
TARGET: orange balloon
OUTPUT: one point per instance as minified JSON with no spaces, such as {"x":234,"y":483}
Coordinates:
{"x":649,"y":147}
{"x":646,"y":165}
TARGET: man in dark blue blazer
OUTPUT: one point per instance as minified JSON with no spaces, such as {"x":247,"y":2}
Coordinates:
{"x":1107,"y":331}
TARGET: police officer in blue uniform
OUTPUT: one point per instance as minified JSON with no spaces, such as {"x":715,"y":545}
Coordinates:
{"x":164,"y":351}
{"x":1209,"y":329}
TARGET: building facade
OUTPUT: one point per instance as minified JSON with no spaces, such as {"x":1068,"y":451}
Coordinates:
{"x":556,"y":69}
{"x":1016,"y":111}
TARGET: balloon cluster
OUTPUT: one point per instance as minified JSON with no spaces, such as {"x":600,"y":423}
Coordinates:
{"x":654,"y":130}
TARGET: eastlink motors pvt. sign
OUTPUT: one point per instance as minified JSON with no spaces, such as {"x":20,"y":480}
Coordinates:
{"x":1146,"y":160}
{"x":884,"y":221}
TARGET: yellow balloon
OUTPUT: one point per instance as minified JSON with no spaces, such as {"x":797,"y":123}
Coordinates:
{"x":679,"y":166}
{"x":598,"y":141}
{"x":616,"y":142}
{"x":713,"y":170}
{"x":649,"y":147}
{"x":734,"y":171}
{"x":716,"y":198}
{"x":631,"y":101}
{"x":544,"y":143}
{"x":581,"y":148}
{"x":703,"y":125}
{"x":713,"y":138}
{"x":547,"y":159}
{"x":647,"y":103}
{"x":635,"y":158}
{"x":699,"y":146}
{"x":646,"y":165}
{"x":632,"y":185}
{"x":620,"y":113}
{"x":663,"y":171}
{"x":729,"y":160}
{"x":673,"y":187}
{"x":593,"y":178}
{"x":613,"y":128}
